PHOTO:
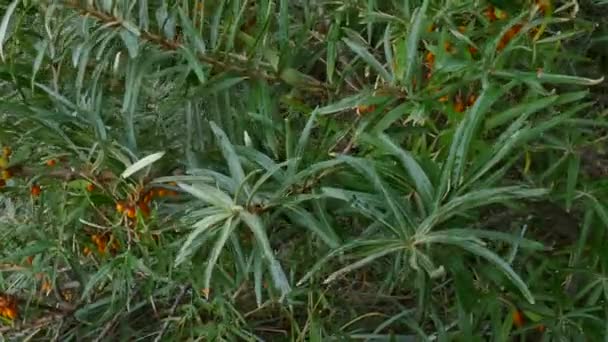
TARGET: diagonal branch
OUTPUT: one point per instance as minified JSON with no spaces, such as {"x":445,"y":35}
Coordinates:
{"x":237,"y":66}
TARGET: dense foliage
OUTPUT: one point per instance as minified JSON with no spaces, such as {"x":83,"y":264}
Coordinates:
{"x":303,"y":170}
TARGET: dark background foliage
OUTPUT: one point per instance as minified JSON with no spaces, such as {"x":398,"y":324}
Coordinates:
{"x":303,"y":170}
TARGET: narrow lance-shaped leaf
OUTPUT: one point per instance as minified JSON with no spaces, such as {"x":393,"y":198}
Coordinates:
{"x":299,"y":153}
{"x":547,"y":77}
{"x":305,"y":219}
{"x":189,"y":246}
{"x":421,"y":181}
{"x":142,"y":163}
{"x":218,"y":247}
{"x":236,"y":170}
{"x":278,"y":275}
{"x":4,"y":25}
{"x":397,"y":210}
{"x":368,"y":58}
{"x":503,"y":266}
{"x":209,"y":195}
{"x":412,"y":42}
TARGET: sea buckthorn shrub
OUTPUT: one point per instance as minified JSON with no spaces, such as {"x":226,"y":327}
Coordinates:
{"x":303,"y":170}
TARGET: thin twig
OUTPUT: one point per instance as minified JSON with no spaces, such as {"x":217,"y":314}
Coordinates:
{"x":178,"y":299}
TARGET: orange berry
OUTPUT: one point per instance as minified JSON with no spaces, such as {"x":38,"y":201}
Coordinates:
{"x":473,"y":50}
{"x":429,"y":59}
{"x":86,"y":251}
{"x":6,"y":151}
{"x":120,"y":207}
{"x":144,"y":208}
{"x":30,"y":259}
{"x":35,"y":190}
{"x":100,"y":241}
{"x":10,"y":313}
{"x":101,"y":248}
{"x":471,"y":100}
{"x":459,"y":105}
{"x":51,"y":162}
{"x":46,"y":287}
{"x":490,"y":13}
{"x":462,"y":29}
{"x":115,"y":245}
{"x":131,"y":213}
{"x":518,"y":318}
{"x":6,"y":174}
{"x":364,"y":109}
{"x":90,"y":187}
{"x":162,"y":192}
{"x":447,"y":46}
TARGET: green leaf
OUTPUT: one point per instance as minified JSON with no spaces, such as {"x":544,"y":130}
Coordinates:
{"x":278,"y":275}
{"x":368,"y":58}
{"x":189,"y":246}
{"x":600,"y":210}
{"x":468,"y":128}
{"x":131,"y":42}
{"x":413,"y":39}
{"x":208,"y":195}
{"x":236,"y":170}
{"x":367,"y":244}
{"x":306,"y":220}
{"x":141,"y":164}
{"x":302,"y":142}
{"x":522,"y":110}
{"x":444,"y":238}
{"x":496,"y":236}
{"x":372,"y":255}
{"x":474,"y":199}
{"x":217,"y":249}
{"x":543,"y":77}
{"x":398,"y":211}
{"x":421,"y":181}
{"x":194,"y":63}
{"x":191,"y":33}
{"x":4,"y":25}
{"x":346,"y":103}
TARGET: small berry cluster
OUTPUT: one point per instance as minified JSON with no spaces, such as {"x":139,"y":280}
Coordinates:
{"x":5,"y":172}
{"x":101,"y":242}
{"x":141,"y":200}
{"x":8,"y":307}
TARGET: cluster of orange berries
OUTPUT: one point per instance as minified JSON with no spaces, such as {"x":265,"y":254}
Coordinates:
{"x":519,"y":321}
{"x":5,"y":172}
{"x":101,"y":242}
{"x":142,"y":201}
{"x":460,"y":104}
{"x":8,"y":306}
{"x":364,"y":109}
